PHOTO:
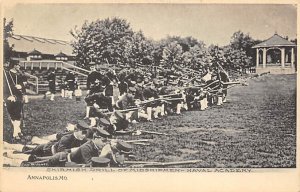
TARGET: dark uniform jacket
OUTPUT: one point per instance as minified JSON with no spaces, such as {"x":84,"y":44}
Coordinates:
{"x":51,"y":80}
{"x":85,"y":152}
{"x":123,"y":86}
{"x":92,"y":78}
{"x":67,"y":142}
{"x":14,"y":109}
{"x":70,"y":79}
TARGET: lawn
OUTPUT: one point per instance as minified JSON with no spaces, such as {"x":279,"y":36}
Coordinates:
{"x":255,"y":128}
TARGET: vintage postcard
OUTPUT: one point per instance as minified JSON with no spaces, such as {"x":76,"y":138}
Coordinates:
{"x":149,"y":96}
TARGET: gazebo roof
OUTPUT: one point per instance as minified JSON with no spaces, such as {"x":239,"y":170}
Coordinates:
{"x":275,"y":40}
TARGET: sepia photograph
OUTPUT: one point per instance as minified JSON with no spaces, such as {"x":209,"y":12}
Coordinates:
{"x":149,"y":87}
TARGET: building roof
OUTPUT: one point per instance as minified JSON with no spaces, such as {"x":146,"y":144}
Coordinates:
{"x":275,"y":40}
{"x":34,"y":52}
{"x":61,"y":54}
{"x":23,"y":43}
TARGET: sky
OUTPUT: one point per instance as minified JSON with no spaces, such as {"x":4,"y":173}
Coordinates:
{"x":211,"y":23}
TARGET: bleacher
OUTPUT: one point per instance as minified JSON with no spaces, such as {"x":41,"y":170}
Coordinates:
{"x":37,"y":75}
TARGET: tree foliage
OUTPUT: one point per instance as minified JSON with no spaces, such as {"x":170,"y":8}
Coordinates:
{"x":172,"y":54}
{"x":101,"y":41}
{"x":114,"y":41}
{"x":7,"y":32}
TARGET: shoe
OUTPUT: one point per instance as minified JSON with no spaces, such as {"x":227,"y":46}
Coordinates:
{"x":134,"y":121}
{"x":20,"y":135}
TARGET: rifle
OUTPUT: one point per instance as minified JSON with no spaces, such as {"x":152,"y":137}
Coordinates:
{"x":161,"y":164}
{"x":138,"y":132}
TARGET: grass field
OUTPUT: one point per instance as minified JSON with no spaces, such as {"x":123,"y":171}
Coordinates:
{"x":255,"y":128}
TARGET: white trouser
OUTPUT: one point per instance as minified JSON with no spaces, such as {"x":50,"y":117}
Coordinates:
{"x":220,"y":100}
{"x":26,"y":100}
{"x":52,"y":97}
{"x":112,"y":100}
{"x":142,"y":114}
{"x":202,"y":105}
{"x":156,"y":111}
{"x":15,"y":147}
{"x":51,"y":137}
{"x":12,"y":162}
{"x":70,"y":94}
{"x":205,"y":102}
{"x":17,"y":127}
{"x":62,"y":93}
{"x":129,"y":114}
{"x":12,"y":155}
{"x":93,"y":121}
{"x":178,"y":108}
{"x":224,"y":99}
{"x":149,"y":113}
{"x":38,"y":141}
{"x":162,"y":110}
{"x":88,"y":111}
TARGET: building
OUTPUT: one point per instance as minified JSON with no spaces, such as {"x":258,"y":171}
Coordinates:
{"x":275,"y":55}
{"x":29,"y":48}
{"x":37,"y":55}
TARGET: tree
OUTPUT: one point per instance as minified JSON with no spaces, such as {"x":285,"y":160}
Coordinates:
{"x":196,"y":58}
{"x":172,"y":54}
{"x":7,"y":32}
{"x":138,"y":50}
{"x":216,"y":55}
{"x":101,"y":41}
{"x":242,"y":41}
{"x":236,"y":59}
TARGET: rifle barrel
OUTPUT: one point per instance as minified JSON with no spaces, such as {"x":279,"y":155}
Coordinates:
{"x":171,"y":163}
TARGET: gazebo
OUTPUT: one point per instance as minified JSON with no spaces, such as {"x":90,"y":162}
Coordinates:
{"x":275,"y":55}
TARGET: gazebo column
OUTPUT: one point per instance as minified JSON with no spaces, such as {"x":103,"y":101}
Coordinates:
{"x":257,"y":58}
{"x":282,"y":56}
{"x":264,"y":57}
{"x":292,"y":58}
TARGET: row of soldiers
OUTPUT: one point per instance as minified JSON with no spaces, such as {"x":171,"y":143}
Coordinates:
{"x":77,"y":145}
{"x":68,"y":86}
{"x":143,"y":95}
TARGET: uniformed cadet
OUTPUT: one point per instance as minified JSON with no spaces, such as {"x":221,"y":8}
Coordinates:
{"x":99,"y":104}
{"x":19,"y":78}
{"x":69,"y":129}
{"x":14,"y":107}
{"x":116,"y":151}
{"x":119,"y":121}
{"x":126,"y":100}
{"x":70,"y":80}
{"x":223,"y":77}
{"x":81,"y":155}
{"x":52,"y":84}
{"x":67,"y":142}
{"x":202,"y":101}
{"x":220,"y":95}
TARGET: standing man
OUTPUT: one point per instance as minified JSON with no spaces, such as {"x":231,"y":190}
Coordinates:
{"x":93,"y":86}
{"x":70,"y":79}
{"x":19,"y":78}
{"x":14,"y":106}
{"x":52,"y":84}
